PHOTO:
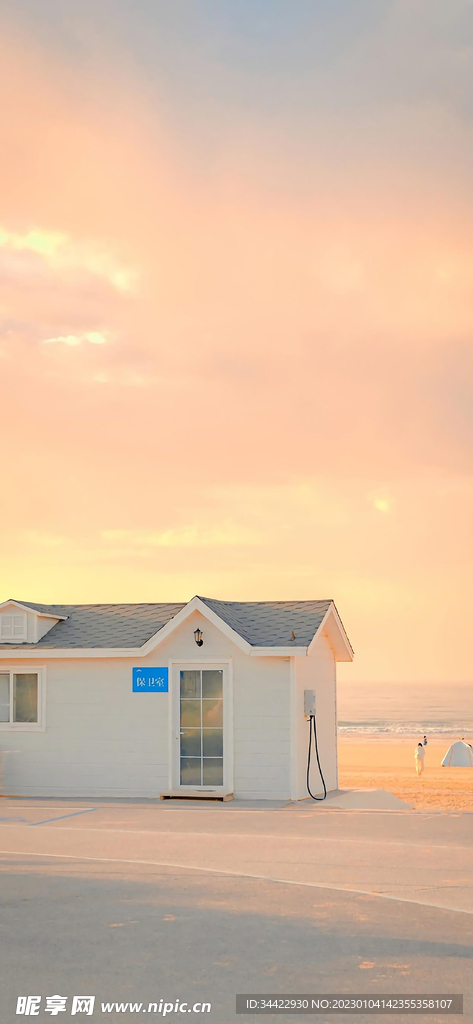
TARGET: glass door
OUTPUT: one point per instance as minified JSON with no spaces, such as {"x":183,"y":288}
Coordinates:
{"x":201,"y":727}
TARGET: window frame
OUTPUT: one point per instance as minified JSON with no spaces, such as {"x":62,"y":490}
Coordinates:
{"x":176,"y":665}
{"x":201,"y":729}
{"x":14,"y":615}
{"x":23,"y":669}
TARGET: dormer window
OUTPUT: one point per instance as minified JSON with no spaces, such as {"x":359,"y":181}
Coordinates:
{"x":13,"y":626}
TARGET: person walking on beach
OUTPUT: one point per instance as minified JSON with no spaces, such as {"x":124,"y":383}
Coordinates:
{"x":419,"y":755}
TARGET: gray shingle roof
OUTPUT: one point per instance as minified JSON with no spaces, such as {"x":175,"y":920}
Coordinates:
{"x":101,"y":625}
{"x":260,"y":623}
{"x":270,"y":623}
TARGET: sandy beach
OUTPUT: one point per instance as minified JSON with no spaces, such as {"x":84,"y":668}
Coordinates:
{"x":386,"y":764}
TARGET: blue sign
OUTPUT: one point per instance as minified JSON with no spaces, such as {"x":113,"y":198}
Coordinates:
{"x":150,"y":680}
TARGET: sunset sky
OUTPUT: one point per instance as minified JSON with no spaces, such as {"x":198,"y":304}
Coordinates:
{"x":236,"y":303}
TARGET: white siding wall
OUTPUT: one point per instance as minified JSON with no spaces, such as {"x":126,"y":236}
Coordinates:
{"x":100,"y":739}
{"x":317,"y":672}
{"x":103,"y":740}
{"x":32,"y":633}
{"x":262,"y":733}
{"x":42,"y":626}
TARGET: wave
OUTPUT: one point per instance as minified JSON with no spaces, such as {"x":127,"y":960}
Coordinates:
{"x":385,"y":728}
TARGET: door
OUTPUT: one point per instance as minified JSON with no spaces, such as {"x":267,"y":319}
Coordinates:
{"x":201,"y":727}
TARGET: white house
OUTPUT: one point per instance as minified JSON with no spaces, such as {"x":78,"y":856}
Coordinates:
{"x":142,"y":700}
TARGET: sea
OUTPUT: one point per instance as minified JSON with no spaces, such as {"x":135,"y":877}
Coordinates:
{"x":397,"y":710}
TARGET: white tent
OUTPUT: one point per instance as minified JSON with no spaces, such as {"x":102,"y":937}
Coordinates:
{"x":459,"y":755}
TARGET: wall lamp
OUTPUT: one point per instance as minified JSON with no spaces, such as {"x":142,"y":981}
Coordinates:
{"x":198,"y":637}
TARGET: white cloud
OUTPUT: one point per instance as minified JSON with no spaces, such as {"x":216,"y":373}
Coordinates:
{"x":93,"y":337}
{"x":60,"y":251}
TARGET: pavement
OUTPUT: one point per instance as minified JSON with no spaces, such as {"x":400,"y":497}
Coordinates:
{"x":364,"y":800}
{"x":138,"y":901}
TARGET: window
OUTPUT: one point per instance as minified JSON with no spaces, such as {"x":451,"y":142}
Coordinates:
{"x":20,"y":699}
{"x":13,"y":627}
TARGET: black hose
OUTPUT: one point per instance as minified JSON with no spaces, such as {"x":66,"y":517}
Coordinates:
{"x":312,"y":726}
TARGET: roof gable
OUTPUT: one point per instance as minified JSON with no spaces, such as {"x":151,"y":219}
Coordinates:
{"x":40,"y":609}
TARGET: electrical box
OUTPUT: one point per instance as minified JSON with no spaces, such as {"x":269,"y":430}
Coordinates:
{"x":309,"y":703}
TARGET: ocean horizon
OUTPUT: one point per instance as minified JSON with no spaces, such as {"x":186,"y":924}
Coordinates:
{"x":397,"y":710}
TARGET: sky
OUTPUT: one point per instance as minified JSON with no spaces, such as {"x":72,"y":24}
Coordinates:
{"x":236,"y":313}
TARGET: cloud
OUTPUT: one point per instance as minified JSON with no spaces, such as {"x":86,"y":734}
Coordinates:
{"x":284,"y":262}
{"x":93,"y":337}
{"x":45,"y":243}
{"x":62,"y":252}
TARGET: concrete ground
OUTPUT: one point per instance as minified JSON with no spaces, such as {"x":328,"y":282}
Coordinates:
{"x":136,"y":902}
